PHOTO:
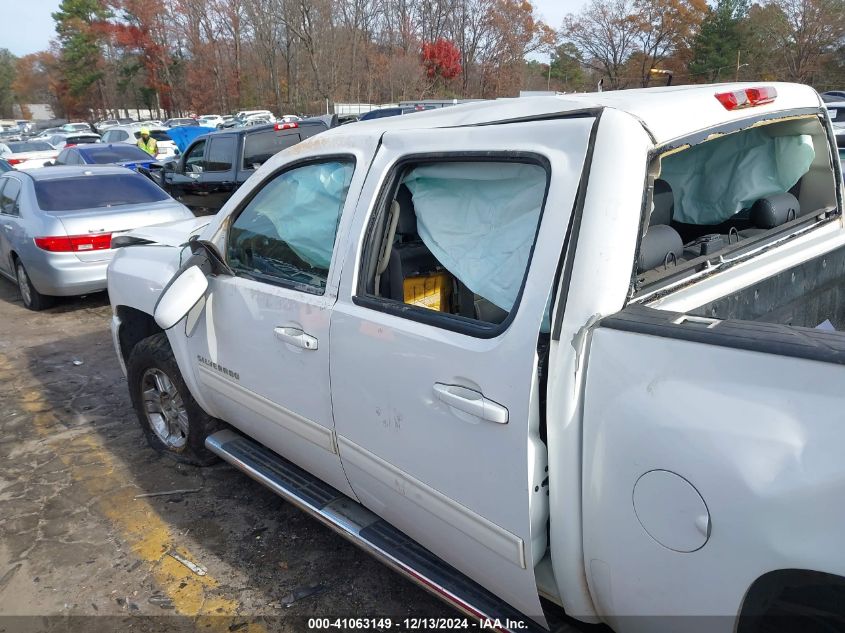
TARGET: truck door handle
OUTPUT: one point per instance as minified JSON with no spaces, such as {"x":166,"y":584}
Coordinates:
{"x":472,"y":402}
{"x":295,"y":336}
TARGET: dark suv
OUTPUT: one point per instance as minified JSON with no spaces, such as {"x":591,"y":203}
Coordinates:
{"x":216,"y":164}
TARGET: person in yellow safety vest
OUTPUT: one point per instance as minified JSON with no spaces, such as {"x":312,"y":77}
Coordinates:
{"x":147,"y":142}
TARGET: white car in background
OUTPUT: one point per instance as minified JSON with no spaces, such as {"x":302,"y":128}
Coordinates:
{"x":130,"y":133}
{"x":246,"y":114}
{"x":210,"y":120}
{"x":27,"y":154}
{"x":79,"y":126}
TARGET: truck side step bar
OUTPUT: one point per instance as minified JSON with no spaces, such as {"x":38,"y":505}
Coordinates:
{"x":365,"y":529}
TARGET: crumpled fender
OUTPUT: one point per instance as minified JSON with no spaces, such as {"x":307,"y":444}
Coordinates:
{"x":138,"y":273}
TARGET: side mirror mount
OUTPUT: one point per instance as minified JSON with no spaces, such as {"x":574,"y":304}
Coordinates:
{"x":190,"y":283}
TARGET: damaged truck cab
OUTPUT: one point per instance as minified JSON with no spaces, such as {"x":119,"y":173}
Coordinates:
{"x":560,"y":348}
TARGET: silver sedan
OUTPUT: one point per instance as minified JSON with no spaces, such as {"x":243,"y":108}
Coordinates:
{"x":57,"y":223}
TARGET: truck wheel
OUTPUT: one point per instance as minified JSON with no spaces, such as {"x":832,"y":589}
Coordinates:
{"x":173,"y":423}
{"x":32,"y":299}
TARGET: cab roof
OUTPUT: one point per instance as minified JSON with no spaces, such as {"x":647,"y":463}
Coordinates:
{"x":666,"y":112}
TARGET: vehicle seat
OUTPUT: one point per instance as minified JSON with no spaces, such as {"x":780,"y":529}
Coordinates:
{"x":409,"y":256}
{"x":772,"y":211}
{"x":661,"y":244}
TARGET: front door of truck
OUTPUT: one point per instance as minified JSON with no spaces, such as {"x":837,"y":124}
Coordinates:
{"x":217,"y":180}
{"x":260,"y":348}
{"x":435,"y":340}
{"x":185,"y":181}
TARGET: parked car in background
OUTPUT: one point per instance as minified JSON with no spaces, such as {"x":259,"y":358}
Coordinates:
{"x":60,"y":141}
{"x":5,"y":166}
{"x":180,"y":121}
{"x":47,"y":134}
{"x":10,"y":135}
{"x":214,"y":165}
{"x":80,"y":126}
{"x":836,"y":111}
{"x":210,"y":120}
{"x":256,"y":120}
{"x":58,"y":223}
{"x":385,"y":112}
{"x":121,"y":154}
{"x":104,"y":125}
{"x":27,"y":154}
{"x":244,"y":114}
{"x":129,"y":134}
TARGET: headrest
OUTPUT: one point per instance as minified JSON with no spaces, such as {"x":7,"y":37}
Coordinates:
{"x":407,"y":218}
{"x":664,"y":203}
{"x":774,"y":210}
{"x":661,"y":245}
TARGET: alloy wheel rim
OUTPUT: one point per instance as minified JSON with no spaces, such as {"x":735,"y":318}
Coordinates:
{"x":23,"y":284}
{"x":164,"y":409}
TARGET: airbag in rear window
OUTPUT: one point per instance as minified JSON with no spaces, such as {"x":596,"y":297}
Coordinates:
{"x":96,"y":192}
{"x":714,"y":181}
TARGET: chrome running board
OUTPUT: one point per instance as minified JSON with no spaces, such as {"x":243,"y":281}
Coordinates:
{"x":366,"y":530}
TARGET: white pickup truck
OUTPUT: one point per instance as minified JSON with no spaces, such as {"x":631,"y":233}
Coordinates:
{"x":580,"y":348}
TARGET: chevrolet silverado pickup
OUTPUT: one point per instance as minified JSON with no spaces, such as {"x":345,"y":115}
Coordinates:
{"x":586,"y":349}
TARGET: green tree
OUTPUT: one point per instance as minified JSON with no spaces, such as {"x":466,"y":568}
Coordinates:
{"x":8,"y":65}
{"x":568,"y":67}
{"x":80,"y":28}
{"x":718,"y":42}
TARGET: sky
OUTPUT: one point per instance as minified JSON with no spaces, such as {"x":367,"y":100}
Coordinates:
{"x":28,"y":28}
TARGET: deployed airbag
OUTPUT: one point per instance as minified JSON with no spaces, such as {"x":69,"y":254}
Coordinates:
{"x":304,"y":207}
{"x":713,"y":181}
{"x":479,"y":220}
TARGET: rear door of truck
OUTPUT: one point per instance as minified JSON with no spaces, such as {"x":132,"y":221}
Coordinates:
{"x":434,"y":357}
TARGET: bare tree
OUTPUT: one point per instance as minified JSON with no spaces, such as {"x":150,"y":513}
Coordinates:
{"x":606,"y":34}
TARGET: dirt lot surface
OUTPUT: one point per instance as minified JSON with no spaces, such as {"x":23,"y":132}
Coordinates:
{"x":79,"y":551}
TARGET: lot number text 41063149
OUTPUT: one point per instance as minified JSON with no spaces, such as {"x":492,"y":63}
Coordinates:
{"x":414,"y":624}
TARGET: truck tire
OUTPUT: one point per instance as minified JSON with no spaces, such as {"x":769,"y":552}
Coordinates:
{"x":172,"y":421}
{"x":32,"y":299}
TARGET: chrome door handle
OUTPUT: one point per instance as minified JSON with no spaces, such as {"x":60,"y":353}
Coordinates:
{"x":8,"y":227}
{"x":295,"y":336}
{"x":472,"y":402}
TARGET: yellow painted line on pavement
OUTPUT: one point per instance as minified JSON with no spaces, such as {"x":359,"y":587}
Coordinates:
{"x":148,"y":536}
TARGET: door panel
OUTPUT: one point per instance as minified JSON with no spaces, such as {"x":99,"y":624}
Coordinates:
{"x":438,"y":429}
{"x":271,"y":390}
{"x":185,"y":185}
{"x":260,"y":348}
{"x":217,"y":180}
